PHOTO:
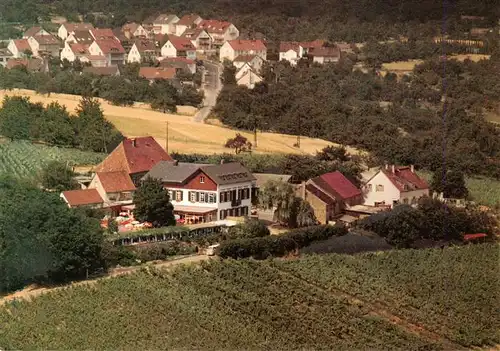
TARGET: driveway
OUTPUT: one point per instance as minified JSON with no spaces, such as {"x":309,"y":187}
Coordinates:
{"x":211,"y":88}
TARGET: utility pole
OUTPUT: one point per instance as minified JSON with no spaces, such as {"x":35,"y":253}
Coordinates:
{"x":166,"y":137}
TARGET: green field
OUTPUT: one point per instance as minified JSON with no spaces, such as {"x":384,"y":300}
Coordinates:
{"x":24,"y":159}
{"x":397,"y":300}
{"x":484,"y":191}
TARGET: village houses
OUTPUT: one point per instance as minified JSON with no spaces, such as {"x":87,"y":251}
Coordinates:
{"x":134,"y":30}
{"x":80,"y":37}
{"x":186,"y":22}
{"x":69,"y":28}
{"x":178,"y":47}
{"x":142,"y":50}
{"x":111,"y":49}
{"x":234,"y":48}
{"x":44,"y":45}
{"x":165,"y":24}
{"x":248,"y":77}
{"x":325,"y":54}
{"x":201,"y":40}
{"x":179,"y":63}
{"x":219,"y":31}
{"x":19,"y":47}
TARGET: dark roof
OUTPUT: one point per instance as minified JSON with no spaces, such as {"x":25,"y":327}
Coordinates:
{"x":336,"y":184}
{"x":327,"y":199}
{"x":164,"y":19}
{"x":144,"y":45}
{"x":32,"y":31}
{"x":228,"y":173}
{"x":102,"y":71}
{"x":46,"y":39}
{"x":115,"y":182}
{"x":82,"y":197}
{"x":83,"y":37}
{"x":172,"y":172}
{"x":134,"y":155}
{"x":330,"y":51}
{"x":188,"y":20}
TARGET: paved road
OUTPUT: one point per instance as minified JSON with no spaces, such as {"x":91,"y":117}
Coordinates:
{"x":212,"y":86}
{"x":31,"y":292}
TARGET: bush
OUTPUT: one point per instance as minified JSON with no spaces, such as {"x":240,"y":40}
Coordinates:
{"x":251,"y":228}
{"x":161,"y":251}
{"x":268,"y":246}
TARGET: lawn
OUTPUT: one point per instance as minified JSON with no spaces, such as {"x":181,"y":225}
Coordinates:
{"x":24,"y":159}
{"x":396,"y":300}
{"x":185,"y":135}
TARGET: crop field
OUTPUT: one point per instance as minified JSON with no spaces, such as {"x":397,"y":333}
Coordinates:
{"x":397,"y":300}
{"x":484,"y":191}
{"x":408,"y":66}
{"x":24,"y":159}
{"x":185,"y":134}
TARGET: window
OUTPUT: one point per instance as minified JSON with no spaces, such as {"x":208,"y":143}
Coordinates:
{"x":202,"y":180}
{"x":369,"y":187}
{"x":192,"y":196}
{"x":202,"y":197}
{"x":178,"y":195}
{"x":170,"y":194}
{"x":413,"y":200}
{"x":405,"y":201}
{"x":211,"y":198}
{"x":380,"y":187}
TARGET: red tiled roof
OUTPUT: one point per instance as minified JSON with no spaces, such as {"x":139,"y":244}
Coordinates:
{"x":330,"y":51}
{"x":82,"y":197}
{"x":83,"y":36}
{"x":78,"y":48}
{"x":151,"y":73}
{"x":247,"y":45}
{"x":103,"y":34}
{"x":46,"y":39}
{"x":244,"y":58}
{"x":213,"y":26}
{"x":188,"y":20}
{"x":130,"y":27}
{"x":181,"y":43}
{"x":320,"y":194}
{"x":192,"y":33}
{"x":143,"y":45}
{"x":405,"y":180}
{"x":110,"y":46}
{"x":33,"y":64}
{"x":289,"y":45}
{"x":115,"y":182}
{"x":71,"y":27}
{"x":312,"y":44}
{"x":32,"y":31}
{"x":22,"y":44}
{"x":134,"y":155}
{"x":337,"y":183}
{"x":474,"y":236}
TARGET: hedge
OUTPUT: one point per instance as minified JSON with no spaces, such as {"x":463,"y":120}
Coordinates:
{"x":261,"y":248}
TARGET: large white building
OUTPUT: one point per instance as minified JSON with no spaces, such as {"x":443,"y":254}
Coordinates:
{"x":394,"y":185}
{"x":206,"y":193}
{"x":234,"y":48}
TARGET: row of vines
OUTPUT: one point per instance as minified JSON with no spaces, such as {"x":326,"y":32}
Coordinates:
{"x":24,"y":159}
{"x":272,"y":305}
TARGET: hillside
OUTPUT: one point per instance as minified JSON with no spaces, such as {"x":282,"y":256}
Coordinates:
{"x":411,"y":300}
{"x":185,"y":135}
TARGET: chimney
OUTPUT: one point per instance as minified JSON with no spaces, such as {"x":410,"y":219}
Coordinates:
{"x":412,"y":169}
{"x":393,"y":168}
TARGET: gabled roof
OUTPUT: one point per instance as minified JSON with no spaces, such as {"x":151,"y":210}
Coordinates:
{"x":181,"y":43}
{"x":115,"y":182}
{"x":320,"y":194}
{"x":82,"y":197}
{"x":46,"y":39}
{"x":286,"y":46}
{"x":71,"y":27}
{"x":228,"y":173}
{"x":144,"y":45}
{"x":79,"y":49}
{"x":193,"y":33}
{"x":102,"y":71}
{"x":130,"y":27}
{"x":172,"y":171}
{"x":165,"y":19}
{"x":22,"y":44}
{"x":337,"y":185}
{"x":152,"y":73}
{"x":246,"y":58}
{"x":33,"y":64}
{"x":32,"y":31}
{"x":325,"y":51}
{"x":134,"y":155}
{"x":214,"y":26}
{"x":404,"y":179}
{"x":110,"y":46}
{"x":103,"y":34}
{"x":188,"y":20}
{"x":83,"y":37}
{"x":247,"y":45}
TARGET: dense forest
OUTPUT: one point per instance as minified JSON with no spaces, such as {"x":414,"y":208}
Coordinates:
{"x":279,"y":19}
{"x":436,"y":115}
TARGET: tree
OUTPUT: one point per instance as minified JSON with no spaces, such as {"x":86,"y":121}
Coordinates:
{"x":333,"y":153}
{"x":164,"y":96}
{"x":16,"y":117}
{"x":251,"y":228}
{"x":58,"y":176}
{"x":302,"y":214}
{"x":41,"y":238}
{"x":451,"y":183}
{"x":228,"y":74}
{"x":239,"y":143}
{"x":152,"y":204}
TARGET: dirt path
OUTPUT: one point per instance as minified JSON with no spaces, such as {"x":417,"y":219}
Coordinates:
{"x":378,"y":310}
{"x":31,"y":292}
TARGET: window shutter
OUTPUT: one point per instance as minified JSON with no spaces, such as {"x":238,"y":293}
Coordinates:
{"x":197,"y":196}
{"x":206,"y":198}
{"x":190,"y":196}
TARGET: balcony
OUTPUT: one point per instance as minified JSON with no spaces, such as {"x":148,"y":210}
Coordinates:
{"x":235,"y":202}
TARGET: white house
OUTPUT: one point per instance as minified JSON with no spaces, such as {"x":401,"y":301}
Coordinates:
{"x":393,"y":185}
{"x":325,"y":54}
{"x":291,"y":52}
{"x":220,"y":31}
{"x":234,"y":48}
{"x":111,"y":49}
{"x":5,"y":55}
{"x":187,"y":22}
{"x":199,"y":38}
{"x":115,"y":188}
{"x":178,"y":47}
{"x":253,"y":61}
{"x":165,"y":24}
{"x":142,"y":49}
{"x":247,"y":76}
{"x":133,"y":30}
{"x":68,"y":28}
{"x":44,"y":45}
{"x":18,"y":47}
{"x":206,"y":193}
